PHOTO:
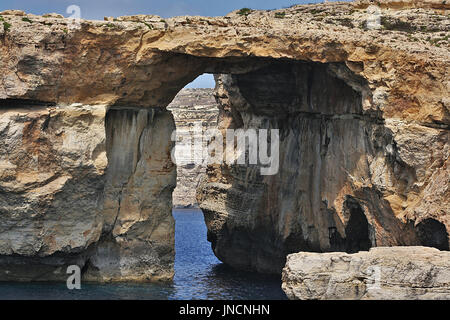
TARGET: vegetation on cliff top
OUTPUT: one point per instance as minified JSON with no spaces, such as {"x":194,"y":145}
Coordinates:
{"x":245,"y":11}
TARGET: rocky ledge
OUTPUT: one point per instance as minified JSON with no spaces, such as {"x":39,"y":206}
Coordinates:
{"x":394,"y":273}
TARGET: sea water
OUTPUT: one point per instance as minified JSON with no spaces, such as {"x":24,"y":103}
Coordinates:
{"x":198,"y":275}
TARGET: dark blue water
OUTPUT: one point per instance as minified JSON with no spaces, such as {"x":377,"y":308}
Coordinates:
{"x":198,"y":275}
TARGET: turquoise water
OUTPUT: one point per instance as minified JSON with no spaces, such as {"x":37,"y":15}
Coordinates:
{"x":198,"y":275}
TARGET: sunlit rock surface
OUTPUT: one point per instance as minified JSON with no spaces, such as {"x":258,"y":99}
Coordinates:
{"x":395,"y":273}
{"x":52,"y":165}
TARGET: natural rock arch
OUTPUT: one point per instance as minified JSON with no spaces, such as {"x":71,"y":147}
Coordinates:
{"x":361,"y":117}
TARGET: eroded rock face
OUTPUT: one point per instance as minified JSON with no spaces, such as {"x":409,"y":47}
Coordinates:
{"x":52,"y":164}
{"x":364,"y":116}
{"x":75,"y":193}
{"x":346,"y":179}
{"x":195,"y":111}
{"x":138,"y":233}
{"x":395,"y":273}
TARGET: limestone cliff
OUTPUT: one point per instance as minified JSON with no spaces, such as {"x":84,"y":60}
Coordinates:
{"x":191,"y":108}
{"x":360,"y":97}
{"x":349,"y":179}
{"x":52,"y":164}
{"x":137,"y":240}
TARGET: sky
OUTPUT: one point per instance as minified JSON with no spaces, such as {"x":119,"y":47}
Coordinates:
{"x":97,"y":9}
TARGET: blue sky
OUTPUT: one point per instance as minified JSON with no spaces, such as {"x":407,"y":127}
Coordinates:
{"x":97,"y":9}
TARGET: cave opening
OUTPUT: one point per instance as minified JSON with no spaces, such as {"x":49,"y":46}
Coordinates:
{"x":433,"y":233}
{"x":357,"y":229}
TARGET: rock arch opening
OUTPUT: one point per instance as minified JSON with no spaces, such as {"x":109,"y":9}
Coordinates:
{"x":433,"y":233}
{"x":253,"y":220}
{"x":309,"y":103}
{"x":194,"y":110}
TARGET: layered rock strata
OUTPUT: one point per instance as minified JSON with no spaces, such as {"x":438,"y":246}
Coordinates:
{"x":73,"y":193}
{"x":361,"y":104}
{"x":52,"y":165}
{"x":348,"y":178}
{"x":137,"y":240}
{"x":194,"y":111}
{"x":396,"y":273}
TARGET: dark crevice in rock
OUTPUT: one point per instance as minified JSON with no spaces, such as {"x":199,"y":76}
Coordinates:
{"x":357,"y":229}
{"x":436,"y":125}
{"x":24,"y":103}
{"x":432,"y":233}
